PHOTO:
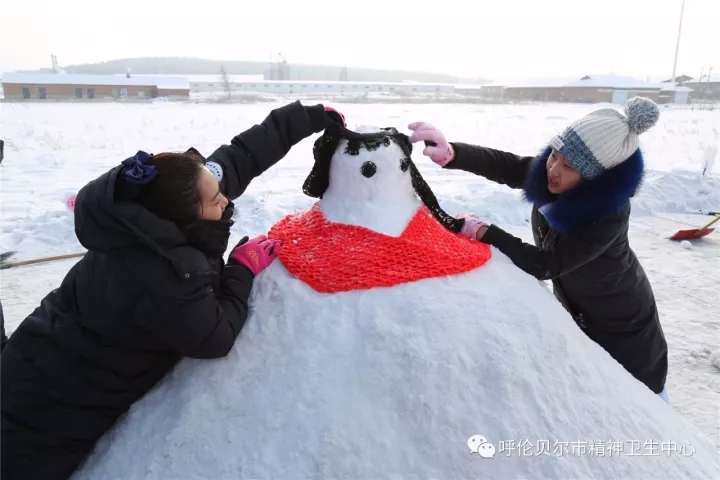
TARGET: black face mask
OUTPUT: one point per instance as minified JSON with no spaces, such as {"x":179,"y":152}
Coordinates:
{"x":211,"y":236}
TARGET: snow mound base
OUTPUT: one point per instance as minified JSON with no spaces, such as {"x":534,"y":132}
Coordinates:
{"x":394,"y":382}
{"x":715,"y":359}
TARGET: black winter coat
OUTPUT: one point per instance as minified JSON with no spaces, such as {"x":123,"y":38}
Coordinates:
{"x":581,"y":245}
{"x":3,"y":336}
{"x":140,"y":300}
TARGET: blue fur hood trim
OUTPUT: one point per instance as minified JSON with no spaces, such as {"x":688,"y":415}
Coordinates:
{"x":591,"y":200}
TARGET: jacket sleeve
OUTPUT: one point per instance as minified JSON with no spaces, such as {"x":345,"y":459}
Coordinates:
{"x":199,"y":322}
{"x":566,"y":253}
{"x":4,"y":338}
{"x":495,"y":165}
{"x":262,"y":146}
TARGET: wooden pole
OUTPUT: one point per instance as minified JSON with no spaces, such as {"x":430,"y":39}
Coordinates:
{"x":21,"y":263}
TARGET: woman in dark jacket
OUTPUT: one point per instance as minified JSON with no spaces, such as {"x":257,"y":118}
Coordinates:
{"x":153,"y":288}
{"x":580,"y":187}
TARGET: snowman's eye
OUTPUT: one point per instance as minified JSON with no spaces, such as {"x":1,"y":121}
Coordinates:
{"x":368,"y":169}
{"x":404,"y":164}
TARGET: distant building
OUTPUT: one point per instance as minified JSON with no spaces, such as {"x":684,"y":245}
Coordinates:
{"x":60,"y":86}
{"x":588,"y":89}
{"x":678,"y":94}
{"x":278,"y":71}
{"x":706,"y":88}
{"x":298,"y":87}
{"x":489,"y":90}
{"x":679,"y":79}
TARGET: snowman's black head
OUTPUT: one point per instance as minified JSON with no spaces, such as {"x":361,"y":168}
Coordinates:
{"x":326,"y":145}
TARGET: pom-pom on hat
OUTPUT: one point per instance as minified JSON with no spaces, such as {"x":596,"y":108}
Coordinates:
{"x":605,"y":138}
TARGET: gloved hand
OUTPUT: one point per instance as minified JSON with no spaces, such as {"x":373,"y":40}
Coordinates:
{"x":335,"y":116}
{"x":256,"y":254}
{"x":436,"y":147}
{"x":472,"y":225}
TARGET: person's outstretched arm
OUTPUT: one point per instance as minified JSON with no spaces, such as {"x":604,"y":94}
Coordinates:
{"x":495,"y":165}
{"x":567,"y":252}
{"x":262,"y":146}
{"x":199,"y":321}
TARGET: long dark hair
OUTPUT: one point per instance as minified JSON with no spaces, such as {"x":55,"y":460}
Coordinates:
{"x":174,"y":194}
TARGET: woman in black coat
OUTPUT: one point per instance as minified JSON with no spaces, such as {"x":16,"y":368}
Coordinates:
{"x":153,"y":288}
{"x":580,"y":187}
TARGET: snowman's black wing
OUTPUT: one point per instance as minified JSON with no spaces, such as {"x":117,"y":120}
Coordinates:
{"x":262,"y":146}
{"x":495,"y":165}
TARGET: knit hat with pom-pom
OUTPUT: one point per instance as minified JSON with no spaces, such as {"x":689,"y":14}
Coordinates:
{"x":604,"y":138}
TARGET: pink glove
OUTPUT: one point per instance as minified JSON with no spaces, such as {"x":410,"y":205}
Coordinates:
{"x":436,"y":147}
{"x":256,"y":254}
{"x":471,"y":226}
{"x":338,"y":116}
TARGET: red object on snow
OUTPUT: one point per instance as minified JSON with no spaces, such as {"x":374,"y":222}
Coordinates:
{"x":334,"y":257}
{"x":695,"y":232}
{"x":70,"y":202}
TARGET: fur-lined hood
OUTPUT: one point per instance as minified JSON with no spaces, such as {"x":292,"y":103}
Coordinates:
{"x":591,"y":200}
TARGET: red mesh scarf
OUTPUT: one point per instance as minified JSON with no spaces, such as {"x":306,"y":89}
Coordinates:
{"x":333,"y":257}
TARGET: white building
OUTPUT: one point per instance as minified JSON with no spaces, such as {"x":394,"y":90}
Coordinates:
{"x":470,"y":90}
{"x":294,"y":87}
{"x":614,"y":89}
{"x":677,"y":94}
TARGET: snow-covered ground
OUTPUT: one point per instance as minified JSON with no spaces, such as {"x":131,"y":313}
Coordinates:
{"x":51,"y":150}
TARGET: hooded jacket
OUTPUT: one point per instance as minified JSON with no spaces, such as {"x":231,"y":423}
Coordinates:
{"x":582,"y":246}
{"x":128,"y":311}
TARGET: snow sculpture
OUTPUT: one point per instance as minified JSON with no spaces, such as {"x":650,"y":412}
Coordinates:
{"x":350,"y":239}
{"x":480,"y":374}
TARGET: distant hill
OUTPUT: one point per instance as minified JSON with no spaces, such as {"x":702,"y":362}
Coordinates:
{"x":200,"y":66}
